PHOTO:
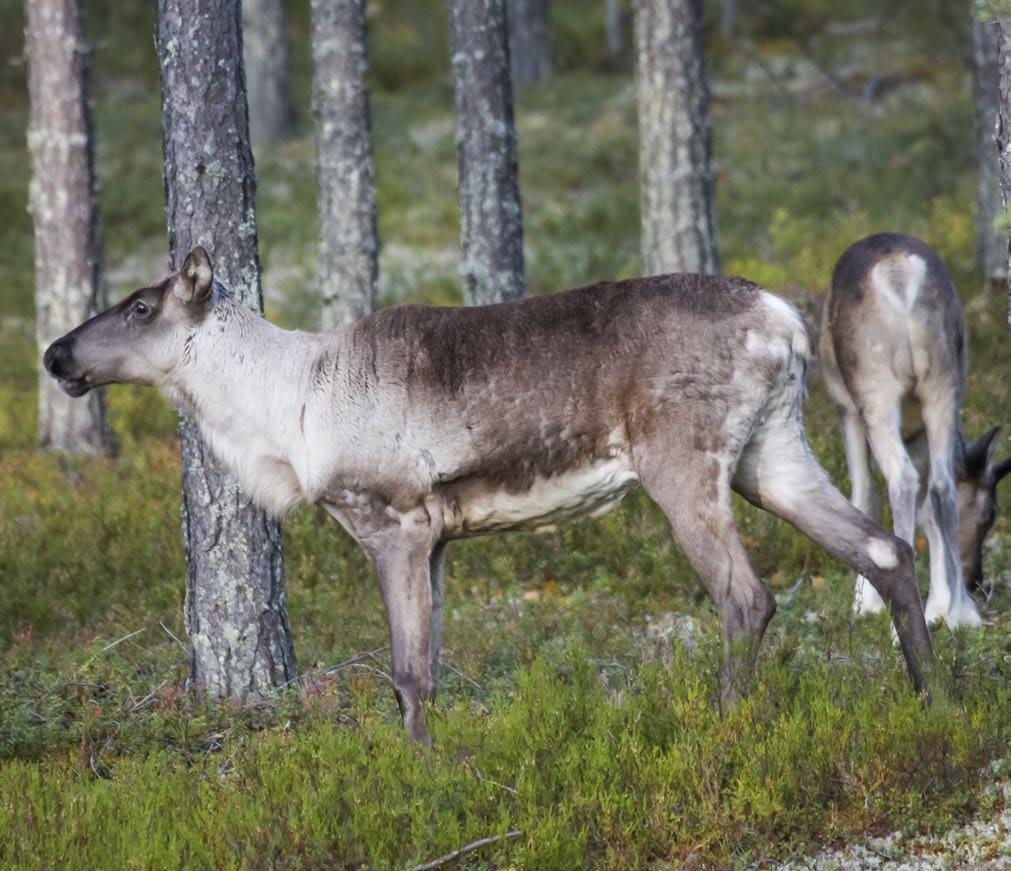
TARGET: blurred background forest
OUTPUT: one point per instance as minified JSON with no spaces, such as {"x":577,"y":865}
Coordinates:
{"x":580,"y":662}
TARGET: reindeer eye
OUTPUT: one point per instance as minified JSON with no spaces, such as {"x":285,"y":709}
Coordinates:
{"x":141,"y":309}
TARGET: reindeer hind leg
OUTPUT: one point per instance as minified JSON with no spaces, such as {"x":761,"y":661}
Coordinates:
{"x":694,"y":494}
{"x":777,"y":472}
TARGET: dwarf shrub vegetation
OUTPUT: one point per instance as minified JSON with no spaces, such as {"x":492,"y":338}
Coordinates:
{"x":578,"y":696}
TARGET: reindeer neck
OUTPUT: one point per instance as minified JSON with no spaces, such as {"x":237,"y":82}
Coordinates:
{"x":243,"y":378}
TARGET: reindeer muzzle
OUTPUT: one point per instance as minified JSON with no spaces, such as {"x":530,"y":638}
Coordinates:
{"x":59,"y":362}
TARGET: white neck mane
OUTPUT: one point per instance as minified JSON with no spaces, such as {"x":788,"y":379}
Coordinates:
{"x":244,"y":380}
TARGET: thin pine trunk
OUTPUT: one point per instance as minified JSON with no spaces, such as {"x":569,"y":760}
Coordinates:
{"x":613,"y":29}
{"x":990,"y":239}
{"x":236,"y":609}
{"x":64,"y":208}
{"x":491,"y":217}
{"x":349,"y":243}
{"x":1004,"y":134}
{"x":265,"y":54}
{"x":675,"y":162}
{"x":529,"y":47}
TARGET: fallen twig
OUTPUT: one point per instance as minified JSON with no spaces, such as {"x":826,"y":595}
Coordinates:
{"x":469,"y":848}
{"x":171,"y":635}
{"x":480,"y":776}
{"x":124,"y":638}
{"x":148,"y":697}
{"x":460,"y":674}
{"x":358,"y":657}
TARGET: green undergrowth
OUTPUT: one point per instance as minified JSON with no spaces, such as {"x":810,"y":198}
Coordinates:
{"x":591,"y":764}
{"x":577,"y":703}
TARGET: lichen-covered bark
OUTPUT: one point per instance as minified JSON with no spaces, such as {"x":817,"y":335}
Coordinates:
{"x":991,"y":243}
{"x":675,"y":163}
{"x":236,"y":608}
{"x":1004,"y":133}
{"x":491,"y":218}
{"x":529,"y":48}
{"x":349,"y":243}
{"x":265,"y":55}
{"x":64,"y":209}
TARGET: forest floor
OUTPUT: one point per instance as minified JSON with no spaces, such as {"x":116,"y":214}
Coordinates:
{"x":577,"y":707}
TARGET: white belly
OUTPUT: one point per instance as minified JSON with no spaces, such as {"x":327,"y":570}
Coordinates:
{"x":590,"y":490}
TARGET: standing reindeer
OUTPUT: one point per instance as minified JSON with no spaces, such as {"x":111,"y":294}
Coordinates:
{"x":419,"y":425}
{"x":893,"y":352}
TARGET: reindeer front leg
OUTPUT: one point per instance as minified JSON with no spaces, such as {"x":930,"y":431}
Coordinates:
{"x":401,"y":557}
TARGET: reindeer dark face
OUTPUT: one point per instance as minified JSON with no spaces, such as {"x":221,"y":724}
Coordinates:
{"x":140,"y":340}
{"x":977,"y":502}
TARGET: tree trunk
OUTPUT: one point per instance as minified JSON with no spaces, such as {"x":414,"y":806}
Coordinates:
{"x":265,"y":54}
{"x":349,"y":244}
{"x":991,"y":243}
{"x":64,"y":208}
{"x":613,"y":29}
{"x":1004,"y":135}
{"x":676,"y":176}
{"x":529,"y":48}
{"x":236,"y":608}
{"x":491,"y":217}
{"x":728,"y":18}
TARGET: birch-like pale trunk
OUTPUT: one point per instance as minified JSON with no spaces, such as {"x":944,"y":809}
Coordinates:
{"x":265,"y":55}
{"x":529,"y":47}
{"x":491,"y":217}
{"x":64,"y":209}
{"x":349,"y":241}
{"x":236,"y":607}
{"x":675,"y":151}
{"x":1004,"y":135}
{"x":991,"y":242}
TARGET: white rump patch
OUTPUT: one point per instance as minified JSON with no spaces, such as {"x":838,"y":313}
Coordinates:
{"x":899,"y":280}
{"x":882,"y":554}
{"x":787,"y":315}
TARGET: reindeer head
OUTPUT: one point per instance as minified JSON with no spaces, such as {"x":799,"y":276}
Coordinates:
{"x":140,"y":340}
{"x":977,"y":502}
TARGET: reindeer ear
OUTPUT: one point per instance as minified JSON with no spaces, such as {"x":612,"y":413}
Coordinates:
{"x":195,"y":278}
{"x":979,"y":456}
{"x":1001,"y":472}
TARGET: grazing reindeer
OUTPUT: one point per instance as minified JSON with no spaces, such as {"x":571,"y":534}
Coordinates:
{"x":894,"y":356}
{"x":420,"y":425}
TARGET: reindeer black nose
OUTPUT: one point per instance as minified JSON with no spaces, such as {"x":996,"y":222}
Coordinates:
{"x":57,"y":357}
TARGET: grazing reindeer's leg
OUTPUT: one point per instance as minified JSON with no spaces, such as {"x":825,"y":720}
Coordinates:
{"x":863,"y":496}
{"x":881,"y":415}
{"x":948,"y":598}
{"x":778,"y":472}
{"x":437,"y":572}
{"x":401,"y":559}
{"x":694,"y":493}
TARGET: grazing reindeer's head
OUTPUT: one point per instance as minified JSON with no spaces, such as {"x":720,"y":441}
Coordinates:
{"x":977,"y":501}
{"x":141,"y":339}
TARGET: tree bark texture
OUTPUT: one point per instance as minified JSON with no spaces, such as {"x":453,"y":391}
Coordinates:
{"x":1004,"y":133}
{"x":991,"y":242}
{"x":613,"y":29}
{"x":491,"y":217}
{"x":349,"y":242}
{"x":529,"y":47}
{"x":64,"y":208}
{"x":675,"y":151}
{"x":236,"y":607}
{"x":265,"y":54}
